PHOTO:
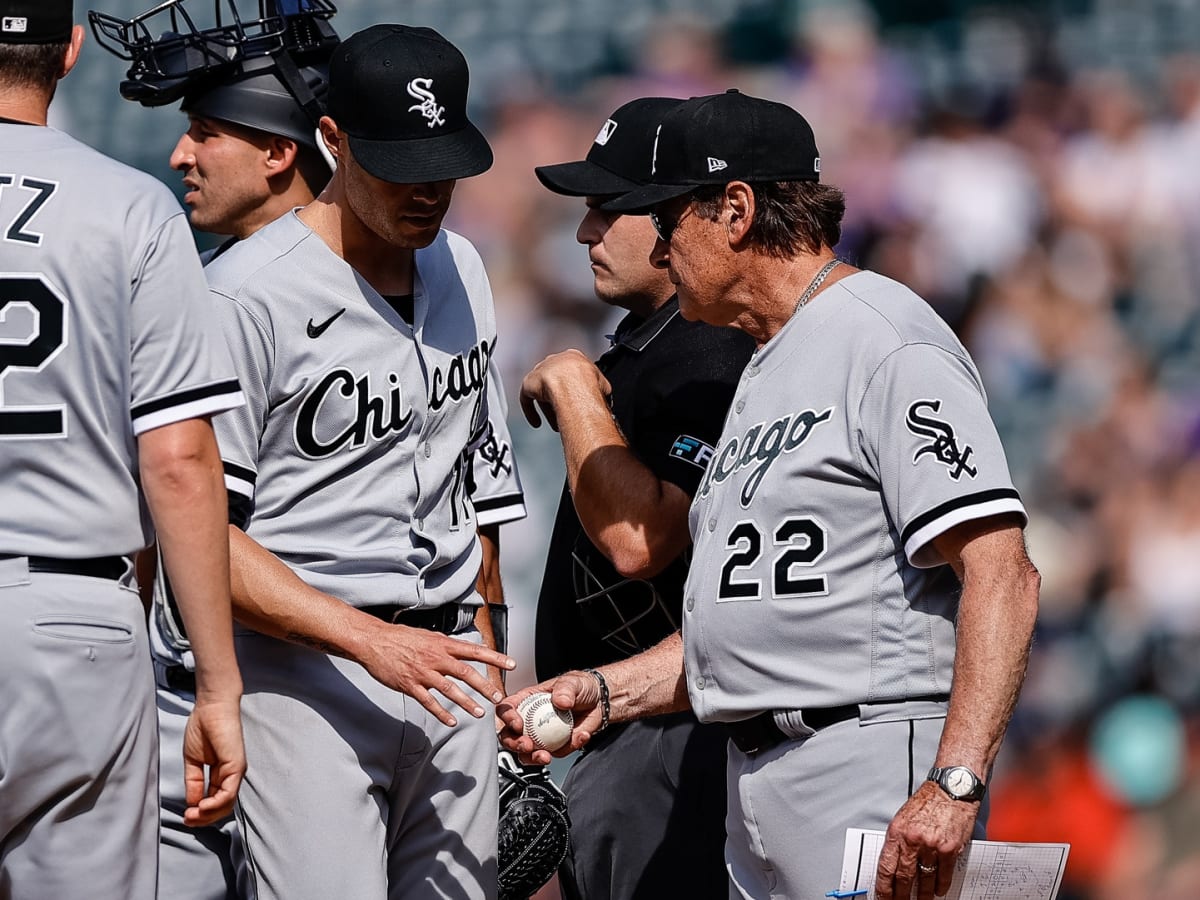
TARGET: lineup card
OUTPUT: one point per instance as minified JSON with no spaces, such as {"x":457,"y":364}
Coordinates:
{"x":986,"y":870}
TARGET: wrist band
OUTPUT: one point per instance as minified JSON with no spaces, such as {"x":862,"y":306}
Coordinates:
{"x":605,"y":707}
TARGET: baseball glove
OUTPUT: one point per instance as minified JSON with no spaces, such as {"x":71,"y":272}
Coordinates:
{"x":534,"y":835}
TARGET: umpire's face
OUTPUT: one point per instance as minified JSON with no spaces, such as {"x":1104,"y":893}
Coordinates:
{"x":621,"y":270}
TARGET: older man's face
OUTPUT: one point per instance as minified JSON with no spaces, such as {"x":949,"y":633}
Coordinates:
{"x":697,"y":257}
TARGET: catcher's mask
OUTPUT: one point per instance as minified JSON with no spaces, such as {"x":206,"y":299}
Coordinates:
{"x":268,"y":73}
{"x":628,"y":614}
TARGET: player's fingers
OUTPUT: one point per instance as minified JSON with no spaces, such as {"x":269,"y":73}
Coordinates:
{"x":193,"y":781}
{"x":478,"y":653}
{"x":459,"y":697}
{"x":435,"y":709}
{"x":477,"y":681}
{"x":529,"y":408}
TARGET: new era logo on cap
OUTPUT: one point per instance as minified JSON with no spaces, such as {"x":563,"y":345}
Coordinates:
{"x":606,"y":132}
{"x":720,"y":138}
{"x":15,"y":24}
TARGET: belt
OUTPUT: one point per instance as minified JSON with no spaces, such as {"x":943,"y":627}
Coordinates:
{"x":759,"y":733}
{"x":179,"y":678}
{"x":443,"y":619}
{"x":110,"y":567}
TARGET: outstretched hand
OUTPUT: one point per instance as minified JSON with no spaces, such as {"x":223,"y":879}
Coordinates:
{"x":418,"y":662}
{"x":214,"y":760}
{"x":577,"y":691}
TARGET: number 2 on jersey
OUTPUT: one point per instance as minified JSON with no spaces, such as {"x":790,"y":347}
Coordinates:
{"x":33,"y":328}
{"x":802,"y":542}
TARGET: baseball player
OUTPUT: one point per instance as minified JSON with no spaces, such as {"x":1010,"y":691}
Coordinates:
{"x":637,"y":429}
{"x":248,"y":156}
{"x":860,"y":602}
{"x":251,"y":154}
{"x":364,"y":333}
{"x":110,"y":368}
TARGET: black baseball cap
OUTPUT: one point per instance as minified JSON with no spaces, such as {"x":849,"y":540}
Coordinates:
{"x":36,"y":21}
{"x":722,"y":138}
{"x":619,"y":159}
{"x":400,"y":93}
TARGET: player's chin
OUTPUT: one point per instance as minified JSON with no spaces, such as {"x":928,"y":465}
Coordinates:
{"x":416,"y":233}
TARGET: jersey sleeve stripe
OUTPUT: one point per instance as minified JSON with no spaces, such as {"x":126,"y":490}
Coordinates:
{"x":239,"y":480}
{"x":220,"y":388}
{"x":183,"y":407}
{"x":925,"y":527}
{"x":498,"y":510}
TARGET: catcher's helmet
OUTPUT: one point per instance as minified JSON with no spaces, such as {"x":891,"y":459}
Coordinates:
{"x":269,"y":73}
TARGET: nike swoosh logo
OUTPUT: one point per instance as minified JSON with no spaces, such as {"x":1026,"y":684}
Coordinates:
{"x":315,"y":331}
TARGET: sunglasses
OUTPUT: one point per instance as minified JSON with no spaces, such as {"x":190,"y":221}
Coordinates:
{"x":664,"y":228}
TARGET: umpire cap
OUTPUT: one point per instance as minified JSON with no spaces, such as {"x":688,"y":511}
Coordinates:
{"x":619,"y":159}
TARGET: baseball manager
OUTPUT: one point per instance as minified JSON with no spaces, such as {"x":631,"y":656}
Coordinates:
{"x":860,"y":602}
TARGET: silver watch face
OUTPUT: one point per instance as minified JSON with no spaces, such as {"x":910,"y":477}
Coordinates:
{"x":959,"y":781}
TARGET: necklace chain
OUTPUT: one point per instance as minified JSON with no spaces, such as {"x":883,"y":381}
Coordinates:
{"x":817,"y":282}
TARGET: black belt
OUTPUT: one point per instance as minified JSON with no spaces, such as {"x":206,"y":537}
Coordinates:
{"x":443,"y":619}
{"x":759,"y":733}
{"x":110,"y":567}
{"x":179,"y":678}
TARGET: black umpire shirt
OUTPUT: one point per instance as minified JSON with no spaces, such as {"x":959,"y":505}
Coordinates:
{"x":672,"y":383}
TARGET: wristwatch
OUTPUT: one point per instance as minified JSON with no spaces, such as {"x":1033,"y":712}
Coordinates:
{"x":958,"y":781}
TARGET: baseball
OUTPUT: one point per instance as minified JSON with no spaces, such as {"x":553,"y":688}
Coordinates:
{"x":548,"y":726}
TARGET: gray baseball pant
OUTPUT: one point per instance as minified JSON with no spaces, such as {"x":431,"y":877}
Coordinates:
{"x":204,"y":863}
{"x":78,"y":739}
{"x":790,"y":806}
{"x":354,"y":790}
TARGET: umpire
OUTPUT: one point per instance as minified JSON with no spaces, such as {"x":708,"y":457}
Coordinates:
{"x":637,"y":430}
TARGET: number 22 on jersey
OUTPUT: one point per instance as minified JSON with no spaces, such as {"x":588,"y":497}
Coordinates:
{"x":801,"y":542}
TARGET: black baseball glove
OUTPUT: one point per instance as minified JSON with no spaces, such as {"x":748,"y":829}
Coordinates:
{"x":534,"y":834}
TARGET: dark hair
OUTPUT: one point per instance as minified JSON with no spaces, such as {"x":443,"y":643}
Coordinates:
{"x":312,"y":168}
{"x":35,"y":66}
{"x":789,"y":216}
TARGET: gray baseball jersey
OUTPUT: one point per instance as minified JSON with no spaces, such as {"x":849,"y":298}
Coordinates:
{"x":858,"y":434}
{"x":352,"y":451}
{"x":351,"y":463}
{"x":103,"y":335}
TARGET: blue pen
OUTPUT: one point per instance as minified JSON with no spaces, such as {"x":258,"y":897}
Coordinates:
{"x":857,"y":893}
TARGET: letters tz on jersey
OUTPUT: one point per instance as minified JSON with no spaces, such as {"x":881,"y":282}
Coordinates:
{"x":343,"y":410}
{"x":943,"y":444}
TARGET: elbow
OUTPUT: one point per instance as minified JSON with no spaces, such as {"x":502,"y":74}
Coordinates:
{"x":176,"y":460}
{"x":640,"y":560}
{"x":635,"y":565}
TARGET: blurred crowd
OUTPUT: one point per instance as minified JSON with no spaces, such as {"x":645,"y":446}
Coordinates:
{"x":1053,"y":218}
{"x":1033,"y":170}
